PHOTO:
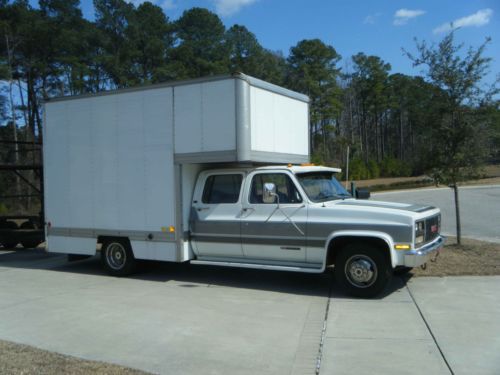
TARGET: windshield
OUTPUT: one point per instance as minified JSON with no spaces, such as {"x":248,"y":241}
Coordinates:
{"x":322,"y":186}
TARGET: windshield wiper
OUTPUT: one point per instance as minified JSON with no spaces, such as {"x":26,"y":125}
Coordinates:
{"x":344,"y":195}
{"x":334,"y":196}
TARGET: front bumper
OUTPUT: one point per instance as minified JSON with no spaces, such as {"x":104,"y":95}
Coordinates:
{"x":415,"y":258}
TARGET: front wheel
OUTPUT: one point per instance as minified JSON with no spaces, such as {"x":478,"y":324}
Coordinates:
{"x":362,"y":270}
{"x":117,"y":258}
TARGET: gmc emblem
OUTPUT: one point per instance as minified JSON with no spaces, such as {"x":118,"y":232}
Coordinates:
{"x":434,"y":228}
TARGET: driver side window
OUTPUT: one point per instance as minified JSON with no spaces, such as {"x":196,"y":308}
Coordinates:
{"x":285,"y":188}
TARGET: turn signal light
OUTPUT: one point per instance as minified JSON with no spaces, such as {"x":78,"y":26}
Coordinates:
{"x":402,"y":247}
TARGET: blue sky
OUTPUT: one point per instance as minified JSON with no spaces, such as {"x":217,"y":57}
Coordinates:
{"x":377,"y":27}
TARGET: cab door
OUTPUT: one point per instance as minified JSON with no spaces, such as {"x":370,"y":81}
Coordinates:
{"x":215,"y":221}
{"x":273,"y":231}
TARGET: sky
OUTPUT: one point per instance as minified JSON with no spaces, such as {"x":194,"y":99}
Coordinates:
{"x":375,"y":27}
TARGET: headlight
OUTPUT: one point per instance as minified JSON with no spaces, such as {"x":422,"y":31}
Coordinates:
{"x":419,"y":232}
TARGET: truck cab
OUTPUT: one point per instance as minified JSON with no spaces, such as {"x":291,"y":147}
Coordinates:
{"x":300,"y":218}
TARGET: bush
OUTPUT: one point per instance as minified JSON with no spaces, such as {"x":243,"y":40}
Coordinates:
{"x":373,"y":169}
{"x":392,"y":167}
{"x":389,"y":167}
{"x":317,"y":159}
{"x":358,"y":170}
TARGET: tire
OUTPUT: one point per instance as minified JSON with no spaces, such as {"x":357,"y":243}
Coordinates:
{"x":29,"y":244}
{"x":9,"y":244}
{"x":402,"y":270}
{"x":362,"y":270}
{"x":118,"y":258}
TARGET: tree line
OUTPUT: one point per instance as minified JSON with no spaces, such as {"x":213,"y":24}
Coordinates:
{"x":393,"y":124}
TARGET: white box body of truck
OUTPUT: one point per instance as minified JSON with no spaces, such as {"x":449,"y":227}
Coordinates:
{"x":124,"y":163}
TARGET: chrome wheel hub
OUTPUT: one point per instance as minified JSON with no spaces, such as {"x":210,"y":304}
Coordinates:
{"x":116,"y":256}
{"x":361,"y":271}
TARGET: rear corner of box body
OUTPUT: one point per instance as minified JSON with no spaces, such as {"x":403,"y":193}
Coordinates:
{"x":127,"y":156}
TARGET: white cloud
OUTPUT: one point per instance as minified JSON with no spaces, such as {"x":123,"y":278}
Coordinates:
{"x":402,"y":16}
{"x":371,"y":18}
{"x":168,"y":4}
{"x":229,"y":7}
{"x":480,"y":18}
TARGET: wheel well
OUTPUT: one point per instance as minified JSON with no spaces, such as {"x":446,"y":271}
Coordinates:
{"x":339,"y":243}
{"x":105,"y":239}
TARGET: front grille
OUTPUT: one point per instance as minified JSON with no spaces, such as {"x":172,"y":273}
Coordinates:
{"x":432,"y":228}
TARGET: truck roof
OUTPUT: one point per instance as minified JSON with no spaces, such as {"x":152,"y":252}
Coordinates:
{"x":251,"y":80}
{"x":292,"y":168}
{"x":302,"y":168}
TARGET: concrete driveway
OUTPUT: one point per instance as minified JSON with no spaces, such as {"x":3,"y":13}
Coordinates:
{"x":182,"y":319}
{"x":431,"y":325}
{"x":479,"y":208}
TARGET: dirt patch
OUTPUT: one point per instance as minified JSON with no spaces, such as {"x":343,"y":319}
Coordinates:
{"x":492,"y":170}
{"x":483,"y":181}
{"x":26,"y":360}
{"x":471,"y":258}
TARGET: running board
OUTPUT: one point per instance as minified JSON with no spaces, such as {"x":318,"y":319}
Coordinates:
{"x":257,"y":266}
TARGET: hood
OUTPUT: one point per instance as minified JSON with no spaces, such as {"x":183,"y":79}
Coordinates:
{"x":418,"y":208}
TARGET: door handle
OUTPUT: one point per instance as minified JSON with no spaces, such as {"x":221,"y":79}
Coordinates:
{"x":202,"y":208}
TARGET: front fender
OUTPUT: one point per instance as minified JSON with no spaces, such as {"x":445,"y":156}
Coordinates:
{"x":362,"y":233}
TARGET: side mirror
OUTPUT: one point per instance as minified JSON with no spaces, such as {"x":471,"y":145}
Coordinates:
{"x":362,"y":194}
{"x":269,"y":195}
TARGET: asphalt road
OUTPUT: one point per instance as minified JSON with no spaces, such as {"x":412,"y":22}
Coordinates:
{"x":182,"y":319}
{"x":479,"y":208}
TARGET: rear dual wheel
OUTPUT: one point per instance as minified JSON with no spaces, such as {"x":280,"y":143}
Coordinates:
{"x":362,"y":270}
{"x":118,"y":258}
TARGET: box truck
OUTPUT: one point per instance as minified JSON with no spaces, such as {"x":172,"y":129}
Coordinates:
{"x":215,"y":171}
